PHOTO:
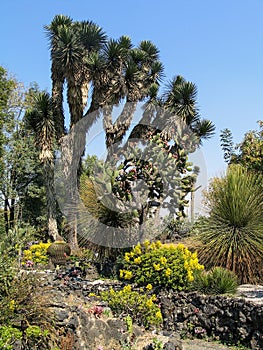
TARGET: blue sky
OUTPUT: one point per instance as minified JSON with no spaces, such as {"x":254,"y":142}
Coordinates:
{"x":218,"y":45}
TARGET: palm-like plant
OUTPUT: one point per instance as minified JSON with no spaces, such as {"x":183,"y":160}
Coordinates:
{"x":232,"y":235}
{"x":180,"y":100}
{"x":138,"y":69}
{"x":41,"y":121}
{"x":57,"y":73}
{"x":71,"y":43}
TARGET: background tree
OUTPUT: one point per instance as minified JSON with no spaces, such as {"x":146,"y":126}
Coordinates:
{"x":248,"y":153}
{"x":21,"y":182}
{"x":227,"y":144}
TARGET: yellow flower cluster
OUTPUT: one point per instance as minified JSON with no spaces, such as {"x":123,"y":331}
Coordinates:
{"x":149,"y":286}
{"x":191,"y":264}
{"x":168,"y":272}
{"x":156,"y":267}
{"x":168,"y":264}
{"x":127,"y":275}
{"x":36,"y":254}
{"x":142,"y":306}
{"x":12,"y":305}
{"x":137,"y":261}
{"x":163,"y":260}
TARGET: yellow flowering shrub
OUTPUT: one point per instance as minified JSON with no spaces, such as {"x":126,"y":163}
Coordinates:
{"x":158,"y":264}
{"x":36,"y":254}
{"x":141,"y":307}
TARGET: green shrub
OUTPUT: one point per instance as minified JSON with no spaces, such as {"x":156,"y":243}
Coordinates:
{"x":166,"y":265}
{"x":216,"y":281}
{"x":139,"y":306}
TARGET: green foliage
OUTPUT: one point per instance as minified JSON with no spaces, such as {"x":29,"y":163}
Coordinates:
{"x":92,"y":194}
{"x":89,"y":165}
{"x":232,"y":234}
{"x":250,"y":150}
{"x":173,"y":228}
{"x":8,"y":335}
{"x":157,"y":344}
{"x":216,"y":281}
{"x":166,"y":265}
{"x":36,"y":332}
{"x":139,"y":306}
{"x":128,"y":321}
{"x":10,"y":245}
{"x":8,"y":270}
{"x":28,"y":302}
{"x":248,"y":153}
{"x":20,"y":179}
{"x":83,"y":255}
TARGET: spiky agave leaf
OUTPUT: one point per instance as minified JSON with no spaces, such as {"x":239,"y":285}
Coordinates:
{"x":99,"y":216}
{"x":232,"y":235}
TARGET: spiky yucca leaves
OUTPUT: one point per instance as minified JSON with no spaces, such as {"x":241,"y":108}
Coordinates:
{"x":98,"y":215}
{"x":71,"y":43}
{"x":232,"y":235}
{"x":180,"y":99}
{"x":90,"y":195}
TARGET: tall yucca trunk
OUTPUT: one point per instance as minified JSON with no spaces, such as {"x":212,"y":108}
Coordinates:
{"x":75,"y":101}
{"x":77,"y":95}
{"x":116,"y":132}
{"x":57,"y":104}
{"x":71,"y":150}
{"x":85,"y":92}
{"x":51,"y":201}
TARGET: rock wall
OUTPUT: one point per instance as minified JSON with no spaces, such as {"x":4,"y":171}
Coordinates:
{"x":231,"y":320}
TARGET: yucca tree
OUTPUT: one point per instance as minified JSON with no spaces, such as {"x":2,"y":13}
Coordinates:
{"x":40,"y":118}
{"x":59,"y":23}
{"x":142,"y":70}
{"x":121,"y":73}
{"x":71,"y":44}
{"x":232,"y":234}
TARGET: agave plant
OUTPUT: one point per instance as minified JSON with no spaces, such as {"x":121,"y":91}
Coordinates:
{"x":232,"y":235}
{"x":99,"y":220}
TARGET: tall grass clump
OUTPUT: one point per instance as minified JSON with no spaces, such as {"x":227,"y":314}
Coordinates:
{"x":232,"y":234}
